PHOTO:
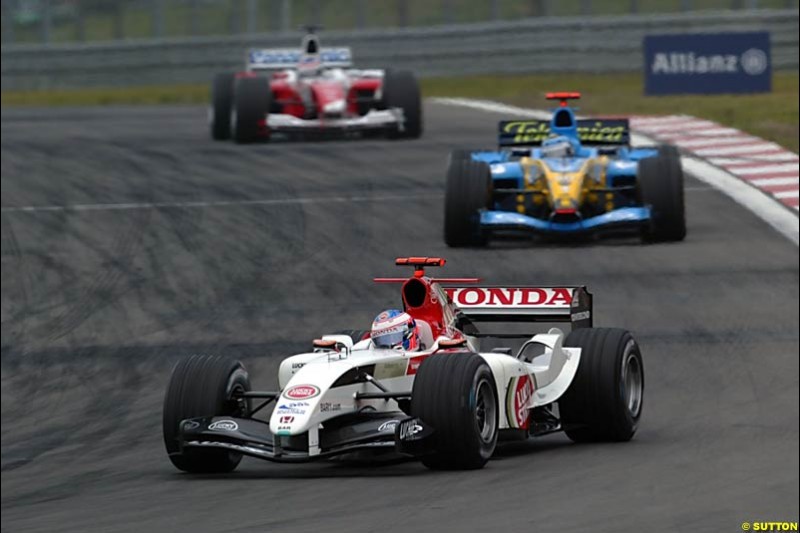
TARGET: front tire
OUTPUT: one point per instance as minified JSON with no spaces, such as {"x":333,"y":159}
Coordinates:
{"x":401,"y":90}
{"x":221,"y":105}
{"x":604,"y":400}
{"x":203,"y":385}
{"x":456,"y":395}
{"x":660,"y":183}
{"x":253,"y":99}
{"x":467,"y":192}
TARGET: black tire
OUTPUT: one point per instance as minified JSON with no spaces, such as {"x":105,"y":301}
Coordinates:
{"x":604,"y":400}
{"x":202,"y":385}
{"x":448,"y":392}
{"x":221,"y":106}
{"x":660,"y":183}
{"x":468,"y":190}
{"x":668,"y":150}
{"x":252,"y":101}
{"x":400,"y":89}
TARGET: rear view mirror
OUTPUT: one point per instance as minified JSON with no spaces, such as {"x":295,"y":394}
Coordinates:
{"x":327,"y":344}
{"x":452,"y":343}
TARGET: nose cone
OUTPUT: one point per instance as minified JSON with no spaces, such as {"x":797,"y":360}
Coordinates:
{"x":294,"y":408}
{"x":566,"y":204}
{"x":290,"y":418}
{"x":335,"y":107}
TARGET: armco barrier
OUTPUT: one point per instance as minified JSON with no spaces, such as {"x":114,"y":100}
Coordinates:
{"x":562,"y":44}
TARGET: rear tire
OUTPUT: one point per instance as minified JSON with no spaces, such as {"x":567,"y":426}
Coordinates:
{"x":253,"y":99}
{"x":400,"y":89}
{"x":604,"y":400}
{"x":660,"y":183}
{"x":203,"y":385}
{"x":221,"y":106}
{"x":456,"y":395}
{"x":467,"y":192}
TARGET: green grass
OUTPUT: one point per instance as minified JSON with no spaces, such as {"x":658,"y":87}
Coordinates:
{"x":773,"y":116}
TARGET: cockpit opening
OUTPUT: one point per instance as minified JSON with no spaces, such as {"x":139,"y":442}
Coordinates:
{"x":563,"y":119}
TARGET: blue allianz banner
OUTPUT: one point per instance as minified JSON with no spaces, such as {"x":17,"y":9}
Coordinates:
{"x":712,"y":63}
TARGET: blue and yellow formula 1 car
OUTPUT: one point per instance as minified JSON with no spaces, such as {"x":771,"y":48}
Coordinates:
{"x":565,"y":176}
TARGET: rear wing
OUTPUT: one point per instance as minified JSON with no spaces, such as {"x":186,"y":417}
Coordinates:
{"x":281,"y":58}
{"x":524,"y":304}
{"x":591,"y":132}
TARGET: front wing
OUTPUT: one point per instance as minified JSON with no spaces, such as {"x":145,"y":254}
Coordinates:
{"x":386,"y":119}
{"x":630,"y":217}
{"x":378,"y":432}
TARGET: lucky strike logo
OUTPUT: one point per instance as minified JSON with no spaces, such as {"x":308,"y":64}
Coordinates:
{"x":521,"y":395}
{"x":301,"y":392}
{"x":224,"y":425}
{"x":509,"y":297}
{"x":389,"y":425}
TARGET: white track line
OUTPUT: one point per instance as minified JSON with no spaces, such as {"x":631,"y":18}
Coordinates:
{"x":768,"y":169}
{"x":684,"y":126}
{"x":711,"y":132}
{"x":766,"y":182}
{"x":643,"y":122}
{"x":777,"y":157}
{"x":744,"y":149}
{"x":216,"y":203}
{"x":699,"y":143}
{"x":786,"y":194}
{"x":757,"y":201}
{"x":760,"y":203}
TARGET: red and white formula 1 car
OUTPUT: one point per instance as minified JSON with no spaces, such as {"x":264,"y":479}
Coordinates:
{"x":312,"y":90}
{"x":447,"y":402}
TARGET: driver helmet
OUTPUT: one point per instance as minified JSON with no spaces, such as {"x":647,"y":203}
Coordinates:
{"x":395,"y":330}
{"x":556,"y":146}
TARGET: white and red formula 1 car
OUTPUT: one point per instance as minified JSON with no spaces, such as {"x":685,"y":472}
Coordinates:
{"x":312,"y":90}
{"x":446,"y":403}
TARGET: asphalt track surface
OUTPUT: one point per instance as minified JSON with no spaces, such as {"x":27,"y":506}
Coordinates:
{"x":185,"y":246}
